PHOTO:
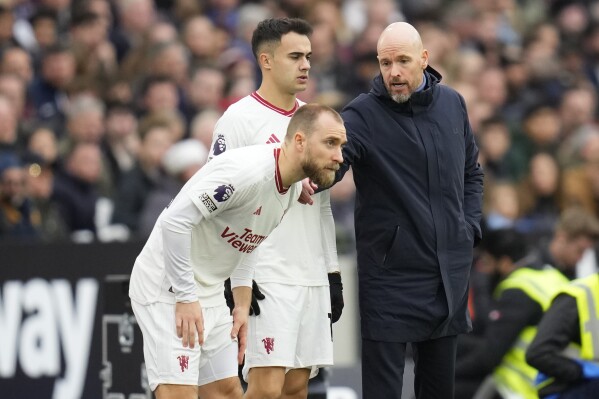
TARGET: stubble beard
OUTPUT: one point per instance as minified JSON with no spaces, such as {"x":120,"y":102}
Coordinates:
{"x":322,"y":177}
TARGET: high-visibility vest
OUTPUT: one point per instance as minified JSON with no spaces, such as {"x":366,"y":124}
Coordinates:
{"x":514,"y":378}
{"x":586,"y":293}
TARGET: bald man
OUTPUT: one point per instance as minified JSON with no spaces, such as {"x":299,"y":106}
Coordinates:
{"x":419,"y":189}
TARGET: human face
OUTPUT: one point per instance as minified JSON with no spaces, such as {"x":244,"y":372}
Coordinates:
{"x":572,"y":249}
{"x":402,"y":64}
{"x":323,"y":150}
{"x":291,"y":63}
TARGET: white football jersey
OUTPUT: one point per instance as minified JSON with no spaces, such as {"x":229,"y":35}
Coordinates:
{"x":302,"y":249}
{"x":241,"y":199}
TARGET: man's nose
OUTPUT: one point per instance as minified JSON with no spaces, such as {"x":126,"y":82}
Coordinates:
{"x":338,"y":156}
{"x":395,"y":69}
{"x":305,"y":66}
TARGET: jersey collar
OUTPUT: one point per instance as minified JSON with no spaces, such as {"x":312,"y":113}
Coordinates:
{"x":281,"y":111}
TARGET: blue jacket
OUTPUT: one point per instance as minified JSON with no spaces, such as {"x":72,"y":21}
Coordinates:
{"x":418,"y":209}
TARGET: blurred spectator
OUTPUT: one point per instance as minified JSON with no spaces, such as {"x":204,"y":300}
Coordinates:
{"x":17,"y":61}
{"x":40,"y":182}
{"x":502,"y":207}
{"x":43,"y":144}
{"x":121,"y":141}
{"x":202,"y":126}
{"x":8,"y":125}
{"x":199,"y":36}
{"x":135,"y":19}
{"x":6,"y":27}
{"x":15,"y":90}
{"x":75,"y":190}
{"x":180,"y":162}
{"x":45,"y":30}
{"x":19,"y":219}
{"x":48,"y":90}
{"x":540,"y":197}
{"x":136,"y":184}
{"x":85,"y":122}
{"x":494,"y":142}
{"x":95,"y":56}
{"x":540,"y":131}
{"x":577,"y":112}
{"x":159,"y":93}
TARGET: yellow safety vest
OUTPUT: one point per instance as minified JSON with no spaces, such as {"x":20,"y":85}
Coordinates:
{"x":586,"y":293}
{"x":514,"y":377}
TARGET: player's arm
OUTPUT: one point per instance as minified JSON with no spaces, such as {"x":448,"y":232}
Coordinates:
{"x":177,"y":224}
{"x":329,"y":246}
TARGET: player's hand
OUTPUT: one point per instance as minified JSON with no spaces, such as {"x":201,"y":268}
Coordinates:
{"x":240,"y":330}
{"x":189,"y":321}
{"x":336,"y":289}
{"x":257,"y":295}
{"x":307,"y":191}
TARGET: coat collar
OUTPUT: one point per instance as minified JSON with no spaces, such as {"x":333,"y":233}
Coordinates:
{"x":419,"y":99}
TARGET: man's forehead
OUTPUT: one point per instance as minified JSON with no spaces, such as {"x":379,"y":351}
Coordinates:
{"x":294,"y":42}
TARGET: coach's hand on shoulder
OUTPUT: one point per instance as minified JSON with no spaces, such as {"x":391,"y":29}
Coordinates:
{"x":336,"y":288}
{"x":189,"y":320}
{"x":257,"y":295}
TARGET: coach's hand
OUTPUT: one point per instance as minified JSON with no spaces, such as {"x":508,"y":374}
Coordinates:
{"x":307,"y":191}
{"x":336,"y":288}
{"x":257,"y":295}
{"x":189,"y":320}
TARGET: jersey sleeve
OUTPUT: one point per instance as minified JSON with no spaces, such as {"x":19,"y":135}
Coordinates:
{"x":327,"y":227}
{"x":215,"y":192}
{"x":177,"y":223}
{"x":228,"y":134}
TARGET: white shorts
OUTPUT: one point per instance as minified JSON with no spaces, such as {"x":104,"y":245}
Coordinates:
{"x":293,"y":329}
{"x":168,"y":362}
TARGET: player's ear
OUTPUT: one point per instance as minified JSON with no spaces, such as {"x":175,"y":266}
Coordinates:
{"x":299,"y":139}
{"x":264,"y":60}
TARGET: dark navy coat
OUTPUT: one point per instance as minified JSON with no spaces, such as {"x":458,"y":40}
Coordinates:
{"x":418,"y":209}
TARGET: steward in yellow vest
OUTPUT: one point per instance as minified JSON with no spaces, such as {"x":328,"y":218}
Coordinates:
{"x":566,"y":348}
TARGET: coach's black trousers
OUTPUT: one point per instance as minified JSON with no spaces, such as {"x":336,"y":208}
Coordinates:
{"x":434,"y":368}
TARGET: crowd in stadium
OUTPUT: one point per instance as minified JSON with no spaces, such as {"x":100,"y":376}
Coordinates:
{"x":107,"y":107}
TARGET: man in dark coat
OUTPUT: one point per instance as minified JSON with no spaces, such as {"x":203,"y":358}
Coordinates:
{"x":418,"y":209}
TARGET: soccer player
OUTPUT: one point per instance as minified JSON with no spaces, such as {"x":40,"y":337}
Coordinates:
{"x":214,"y":223}
{"x":286,"y":343}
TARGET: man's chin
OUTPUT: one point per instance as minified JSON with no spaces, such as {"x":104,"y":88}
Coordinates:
{"x":324,"y":182}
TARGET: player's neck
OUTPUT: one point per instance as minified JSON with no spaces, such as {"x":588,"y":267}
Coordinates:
{"x":277,"y":98}
{"x":289,"y":168}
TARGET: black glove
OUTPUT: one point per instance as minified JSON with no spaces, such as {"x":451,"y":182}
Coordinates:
{"x":336,"y":288}
{"x":257,"y":295}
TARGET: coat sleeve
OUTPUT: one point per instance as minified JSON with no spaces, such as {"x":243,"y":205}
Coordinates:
{"x":473,"y":180}
{"x":357,"y":136}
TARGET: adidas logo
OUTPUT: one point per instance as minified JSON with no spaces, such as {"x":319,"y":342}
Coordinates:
{"x":257,"y":213}
{"x":272,"y":139}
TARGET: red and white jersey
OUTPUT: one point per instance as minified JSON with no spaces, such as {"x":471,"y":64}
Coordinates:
{"x":238,"y":200}
{"x":302,"y":249}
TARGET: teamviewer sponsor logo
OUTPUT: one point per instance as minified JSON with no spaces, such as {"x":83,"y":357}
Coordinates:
{"x":208,"y":203}
{"x":245,"y":242}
